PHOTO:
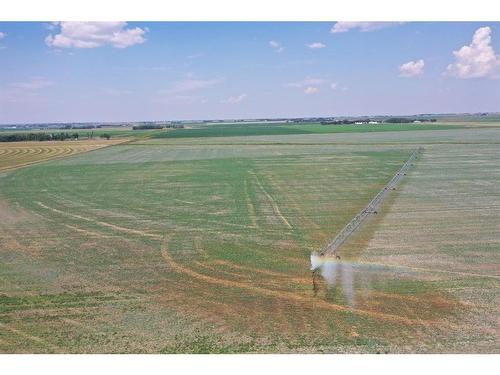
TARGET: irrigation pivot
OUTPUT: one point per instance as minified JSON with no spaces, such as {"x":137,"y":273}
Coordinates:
{"x":371,"y":208}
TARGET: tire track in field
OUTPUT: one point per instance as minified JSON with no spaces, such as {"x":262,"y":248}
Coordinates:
{"x":102,"y":223}
{"x":288,"y":295}
{"x":88,"y":232}
{"x":294,"y":203}
{"x":274,"y":205}
{"x":250,"y":206}
{"x":253,"y":269}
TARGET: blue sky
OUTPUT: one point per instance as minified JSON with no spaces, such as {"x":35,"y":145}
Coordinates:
{"x":53,"y":72}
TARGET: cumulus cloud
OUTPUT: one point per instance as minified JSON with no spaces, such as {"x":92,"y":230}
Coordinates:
{"x":306,"y":82}
{"x":476,"y":60}
{"x":234,"y":99}
{"x":343,"y":27}
{"x":276,"y":46}
{"x":2,"y":35}
{"x":95,"y":34}
{"x":316,"y":45}
{"x":311,"y":90}
{"x":412,"y":68}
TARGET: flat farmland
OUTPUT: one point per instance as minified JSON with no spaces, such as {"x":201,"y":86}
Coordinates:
{"x":204,"y":245}
{"x":18,"y":154}
{"x":235,"y":130}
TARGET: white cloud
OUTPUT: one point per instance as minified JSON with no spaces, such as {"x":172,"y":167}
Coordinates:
{"x":412,"y":68}
{"x":311,"y":90}
{"x":191,"y":84}
{"x":95,"y":34}
{"x":334,"y":85}
{"x":276,"y":46}
{"x":185,"y":91}
{"x":476,"y":60}
{"x":2,"y":35}
{"x":306,"y":82}
{"x":234,"y":99}
{"x":343,"y":27}
{"x":316,"y":45}
{"x":35,"y":83}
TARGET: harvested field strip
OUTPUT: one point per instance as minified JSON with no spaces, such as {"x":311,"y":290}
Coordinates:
{"x":19,"y":154}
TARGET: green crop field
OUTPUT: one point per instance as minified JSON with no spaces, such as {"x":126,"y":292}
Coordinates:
{"x":235,"y":130}
{"x":201,"y":242}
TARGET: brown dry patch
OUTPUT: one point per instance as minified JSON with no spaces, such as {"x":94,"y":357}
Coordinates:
{"x":289,"y":297}
{"x":13,"y":215}
{"x":425,"y":306}
{"x":11,"y":244}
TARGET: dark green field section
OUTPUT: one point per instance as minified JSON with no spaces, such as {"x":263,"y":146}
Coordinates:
{"x":264,"y":129}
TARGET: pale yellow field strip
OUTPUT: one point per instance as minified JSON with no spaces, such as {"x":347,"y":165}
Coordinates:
{"x":19,"y":154}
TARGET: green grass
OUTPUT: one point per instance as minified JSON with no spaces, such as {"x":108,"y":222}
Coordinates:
{"x":212,"y":210}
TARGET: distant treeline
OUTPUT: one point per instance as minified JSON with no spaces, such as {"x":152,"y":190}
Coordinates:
{"x":23,"y":137}
{"x":80,"y":127}
{"x":37,"y":137}
{"x":391,"y":120}
{"x":155,"y":126}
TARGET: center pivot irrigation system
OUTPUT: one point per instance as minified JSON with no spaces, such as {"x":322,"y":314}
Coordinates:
{"x":371,"y":208}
